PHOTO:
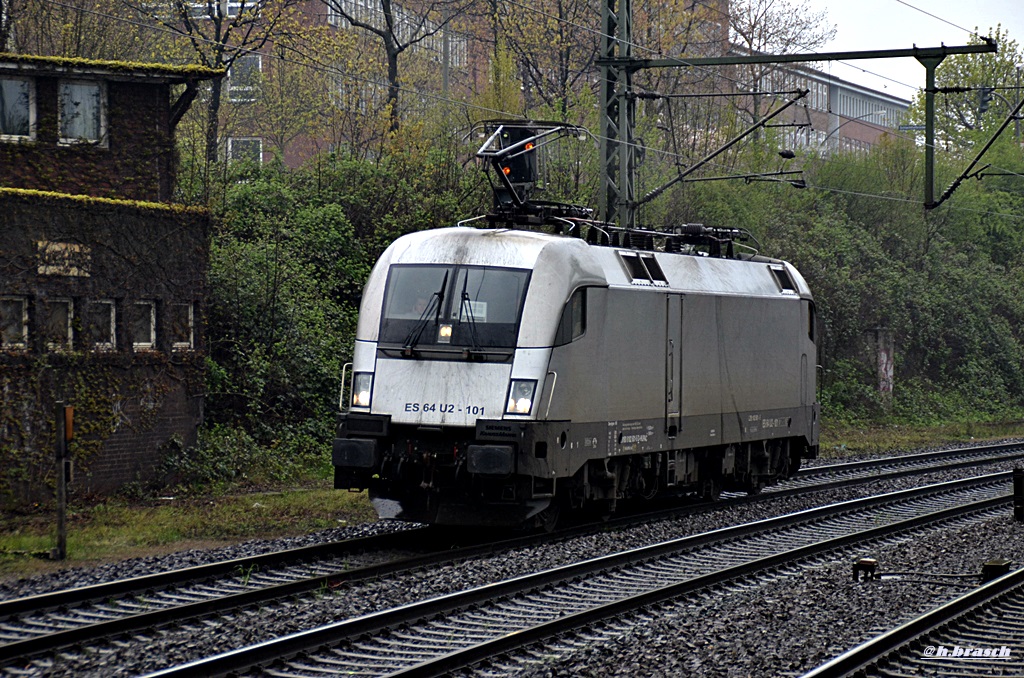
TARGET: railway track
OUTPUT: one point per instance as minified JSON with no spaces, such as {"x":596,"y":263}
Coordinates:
{"x":451,"y":632}
{"x":981,"y":633}
{"x":43,"y":624}
{"x":893,"y":467}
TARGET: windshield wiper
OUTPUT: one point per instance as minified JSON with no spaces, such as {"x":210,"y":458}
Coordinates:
{"x":436,"y":301}
{"x":468,"y":305}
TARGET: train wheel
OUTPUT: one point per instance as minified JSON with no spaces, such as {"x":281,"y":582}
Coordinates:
{"x":710,"y":489}
{"x":649,"y":488}
{"x":794,"y":463}
{"x":755,"y":487}
{"x":547,"y":520}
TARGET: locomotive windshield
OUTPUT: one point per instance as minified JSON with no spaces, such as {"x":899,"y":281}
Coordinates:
{"x":469,"y":307}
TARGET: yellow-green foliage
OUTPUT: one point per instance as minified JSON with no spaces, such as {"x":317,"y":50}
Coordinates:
{"x":88,"y":199}
{"x":176,"y":73}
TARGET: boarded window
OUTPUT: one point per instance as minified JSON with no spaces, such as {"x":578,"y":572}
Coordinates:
{"x":143,"y":325}
{"x":182,"y":332}
{"x":100,"y":324}
{"x":13,"y":322}
{"x":57,"y":319}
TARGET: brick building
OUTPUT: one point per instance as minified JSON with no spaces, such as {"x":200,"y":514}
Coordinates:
{"x":102,"y":280}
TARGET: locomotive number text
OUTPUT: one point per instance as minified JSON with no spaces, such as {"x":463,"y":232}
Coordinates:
{"x":444,"y":408}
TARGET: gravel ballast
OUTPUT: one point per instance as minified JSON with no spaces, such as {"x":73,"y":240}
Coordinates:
{"x":762,"y":629}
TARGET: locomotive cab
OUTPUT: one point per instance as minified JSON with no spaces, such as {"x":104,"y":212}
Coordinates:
{"x":451,"y":359}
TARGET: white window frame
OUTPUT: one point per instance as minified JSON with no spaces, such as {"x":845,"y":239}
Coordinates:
{"x":101,"y":140}
{"x":112,"y":312}
{"x":244,"y":93}
{"x":144,"y":345}
{"x":334,"y":17}
{"x":184,"y":345}
{"x":68,"y":343}
{"x":31,"y":136}
{"x":231,"y":149}
{"x":23,"y":344}
{"x":362,"y":10}
{"x":232,"y":8}
{"x":228,"y":9}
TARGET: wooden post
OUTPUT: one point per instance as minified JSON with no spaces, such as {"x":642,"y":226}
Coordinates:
{"x":64,"y":421}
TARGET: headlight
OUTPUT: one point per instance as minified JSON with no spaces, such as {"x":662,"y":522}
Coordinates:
{"x":362,"y":383}
{"x":520,"y":396}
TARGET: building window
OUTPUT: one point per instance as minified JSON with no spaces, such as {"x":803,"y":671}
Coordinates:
{"x":143,"y":325}
{"x":182,"y":332}
{"x":57,"y":320}
{"x":82,"y":114}
{"x":361,"y":10}
{"x":244,"y":78}
{"x":247,"y":7}
{"x":17,"y":109}
{"x":13,"y":323}
{"x":245,"y":149}
{"x":100,"y":325}
{"x":212,"y":9}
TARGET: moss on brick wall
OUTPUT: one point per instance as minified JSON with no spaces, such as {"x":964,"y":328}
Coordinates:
{"x":131,"y":404}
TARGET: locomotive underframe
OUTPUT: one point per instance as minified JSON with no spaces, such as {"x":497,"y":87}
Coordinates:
{"x":513,"y":474}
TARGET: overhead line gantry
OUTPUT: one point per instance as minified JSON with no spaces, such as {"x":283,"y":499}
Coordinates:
{"x":618,"y":200}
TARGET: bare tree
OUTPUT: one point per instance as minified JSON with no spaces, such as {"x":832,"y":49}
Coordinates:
{"x":399,"y":27}
{"x":5,"y":25}
{"x":219,"y":32}
{"x":556,"y":43}
{"x":91,"y":29}
{"x":774,"y":27}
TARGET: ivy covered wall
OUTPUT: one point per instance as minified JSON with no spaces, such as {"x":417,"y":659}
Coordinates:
{"x":103,"y":306}
{"x":136,"y":159}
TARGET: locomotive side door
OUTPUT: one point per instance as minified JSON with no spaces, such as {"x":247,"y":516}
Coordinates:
{"x":673,"y":362}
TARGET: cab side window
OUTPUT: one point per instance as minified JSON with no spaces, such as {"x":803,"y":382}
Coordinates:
{"x":574,"y":318}
{"x":812,"y":322}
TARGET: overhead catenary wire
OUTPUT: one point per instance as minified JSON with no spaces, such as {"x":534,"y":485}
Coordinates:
{"x":316,"y":64}
{"x":376,"y":83}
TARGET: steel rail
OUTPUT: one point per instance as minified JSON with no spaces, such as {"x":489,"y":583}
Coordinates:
{"x":199,"y":573}
{"x":284,"y":648}
{"x":42,"y":643}
{"x":76,"y":596}
{"x":523,"y":638}
{"x":918,"y":457}
{"x":865,"y":655}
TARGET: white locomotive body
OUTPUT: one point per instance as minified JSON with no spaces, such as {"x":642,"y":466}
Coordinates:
{"x":500,"y":376}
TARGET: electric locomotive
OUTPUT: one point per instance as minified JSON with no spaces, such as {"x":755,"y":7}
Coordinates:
{"x":501,"y":376}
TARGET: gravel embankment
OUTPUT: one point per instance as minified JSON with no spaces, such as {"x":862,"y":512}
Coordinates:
{"x":790,"y":624}
{"x":780,"y":624}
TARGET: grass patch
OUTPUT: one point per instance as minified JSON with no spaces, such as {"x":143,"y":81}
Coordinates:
{"x":838,"y":441}
{"x":118,"y":529}
{"x":134,"y":526}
